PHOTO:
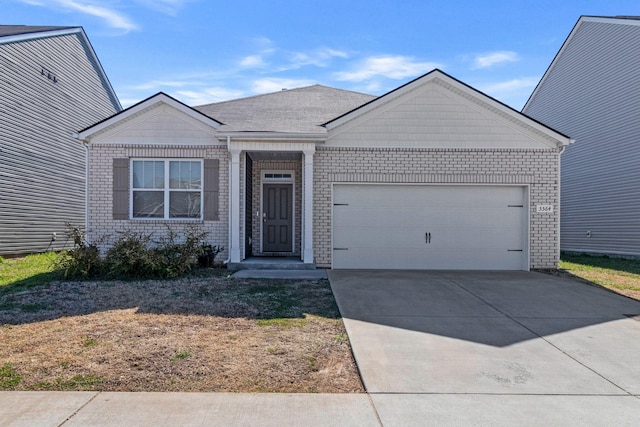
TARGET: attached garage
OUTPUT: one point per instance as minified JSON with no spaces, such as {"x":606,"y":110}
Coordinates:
{"x":400,"y":226}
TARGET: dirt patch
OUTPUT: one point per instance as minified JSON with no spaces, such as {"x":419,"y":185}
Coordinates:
{"x":197,"y":334}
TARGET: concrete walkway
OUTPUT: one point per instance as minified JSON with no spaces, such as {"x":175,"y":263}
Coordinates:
{"x":433,"y":348}
{"x":492,"y":348}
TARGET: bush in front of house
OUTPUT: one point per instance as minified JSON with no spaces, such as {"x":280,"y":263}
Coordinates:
{"x":137,"y":255}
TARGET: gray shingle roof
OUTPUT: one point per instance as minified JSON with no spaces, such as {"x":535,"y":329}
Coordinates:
{"x":301,"y":110}
{"x":14,"y":30}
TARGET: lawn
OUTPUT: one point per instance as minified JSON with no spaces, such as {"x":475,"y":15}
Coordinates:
{"x":616,"y":274}
{"x":205,"y":332}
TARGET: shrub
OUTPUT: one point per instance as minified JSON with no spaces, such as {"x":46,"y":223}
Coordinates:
{"x":137,"y":255}
{"x":130,"y":256}
{"x":81,"y":262}
{"x":208,"y":255}
{"x":175,"y":259}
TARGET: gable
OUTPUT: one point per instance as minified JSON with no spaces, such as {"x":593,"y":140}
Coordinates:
{"x":439,"y":113}
{"x":160,"y":124}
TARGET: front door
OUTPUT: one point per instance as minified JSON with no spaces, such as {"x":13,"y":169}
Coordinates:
{"x":277,"y":218}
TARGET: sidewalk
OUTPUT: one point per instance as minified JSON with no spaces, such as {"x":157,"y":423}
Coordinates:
{"x":87,"y":409}
{"x":51,"y":409}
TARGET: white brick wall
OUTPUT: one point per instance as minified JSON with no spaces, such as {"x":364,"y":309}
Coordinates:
{"x":103,"y":229}
{"x":537,"y":168}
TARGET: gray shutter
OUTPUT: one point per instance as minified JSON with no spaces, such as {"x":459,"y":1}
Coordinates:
{"x":211,"y":189}
{"x":120,"y":189}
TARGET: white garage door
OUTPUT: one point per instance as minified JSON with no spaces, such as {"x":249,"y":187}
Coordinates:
{"x":457,"y":227}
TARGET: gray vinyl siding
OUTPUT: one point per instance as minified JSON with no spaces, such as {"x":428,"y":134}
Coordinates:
{"x":592,"y":93}
{"x":42,"y":167}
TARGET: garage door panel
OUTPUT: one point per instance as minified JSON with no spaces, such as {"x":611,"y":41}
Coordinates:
{"x":429,"y":227}
{"x":405,"y":237}
{"x":349,"y":216}
{"x":448,"y":259}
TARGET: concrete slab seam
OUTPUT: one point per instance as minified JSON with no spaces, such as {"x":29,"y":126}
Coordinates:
{"x":373,"y":405}
{"x":79,"y":409}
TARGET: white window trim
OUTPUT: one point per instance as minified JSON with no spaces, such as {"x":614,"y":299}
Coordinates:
{"x":166,"y":190}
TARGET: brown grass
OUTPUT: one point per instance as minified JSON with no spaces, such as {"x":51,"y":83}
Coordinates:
{"x":197,"y":334}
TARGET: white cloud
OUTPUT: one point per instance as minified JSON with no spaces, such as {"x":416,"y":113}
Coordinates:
{"x":320,"y":57}
{"x":275,"y":84}
{"x":206,"y":96}
{"x":509,"y":85}
{"x":252,"y":61}
{"x":157,"y":85}
{"x":168,"y":7}
{"x":512,"y":92}
{"x":488,"y":60}
{"x":111,"y":16}
{"x":391,"y":67}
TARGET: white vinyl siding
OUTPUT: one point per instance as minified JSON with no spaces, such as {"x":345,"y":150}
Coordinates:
{"x":166,"y":189}
{"x":592,"y":93}
{"x":42,"y":167}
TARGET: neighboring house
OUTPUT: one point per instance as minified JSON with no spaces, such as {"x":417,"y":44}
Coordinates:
{"x":432,"y":175}
{"x":591,"y":91}
{"x":51,"y":85}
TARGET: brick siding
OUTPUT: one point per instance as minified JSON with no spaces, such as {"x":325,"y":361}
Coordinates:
{"x":103,"y":229}
{"x":536,"y":168}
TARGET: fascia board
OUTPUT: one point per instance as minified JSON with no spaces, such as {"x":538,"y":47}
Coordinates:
{"x":66,"y":32}
{"x":508,"y":111}
{"x":581,"y":20}
{"x":273,"y":136}
{"x":482,"y":98}
{"x":40,"y":35}
{"x":160,"y":98}
{"x":103,"y":74}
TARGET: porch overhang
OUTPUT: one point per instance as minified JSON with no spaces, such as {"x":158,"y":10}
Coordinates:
{"x":261,"y":137}
{"x":258,"y":142}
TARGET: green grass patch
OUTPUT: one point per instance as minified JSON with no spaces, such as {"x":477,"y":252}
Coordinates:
{"x":75,"y":383}
{"x":31,"y":270}
{"x":181,"y":355}
{"x":283,"y":323}
{"x":90,"y":342}
{"x":614,"y":273}
{"x":9,"y":378}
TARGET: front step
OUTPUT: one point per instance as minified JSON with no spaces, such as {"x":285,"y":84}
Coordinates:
{"x":270,"y":263}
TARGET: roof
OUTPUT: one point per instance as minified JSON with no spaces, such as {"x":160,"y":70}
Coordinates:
{"x":616,"y":20}
{"x":301,"y":110}
{"x":14,"y":30}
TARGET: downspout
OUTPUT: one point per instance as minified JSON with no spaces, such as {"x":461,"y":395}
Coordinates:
{"x":226,"y":261}
{"x":86,"y":185}
{"x":562,"y":148}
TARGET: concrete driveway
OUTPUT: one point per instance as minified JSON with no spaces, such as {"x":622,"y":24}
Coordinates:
{"x":492,"y":347}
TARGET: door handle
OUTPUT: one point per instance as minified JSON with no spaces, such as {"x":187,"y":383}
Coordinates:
{"x":427,"y":238}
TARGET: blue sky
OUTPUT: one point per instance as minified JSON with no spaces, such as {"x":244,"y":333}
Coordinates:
{"x":203,"y":51}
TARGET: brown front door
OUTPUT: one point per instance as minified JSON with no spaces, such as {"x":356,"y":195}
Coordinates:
{"x":277,"y":218}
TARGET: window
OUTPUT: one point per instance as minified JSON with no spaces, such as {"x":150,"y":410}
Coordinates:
{"x":166,"y":189}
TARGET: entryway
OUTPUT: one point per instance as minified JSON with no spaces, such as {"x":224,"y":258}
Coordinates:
{"x":277,"y":217}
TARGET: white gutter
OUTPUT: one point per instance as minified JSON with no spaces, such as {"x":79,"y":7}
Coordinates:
{"x":275,"y":136}
{"x":86,"y":185}
{"x":562,"y":148}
